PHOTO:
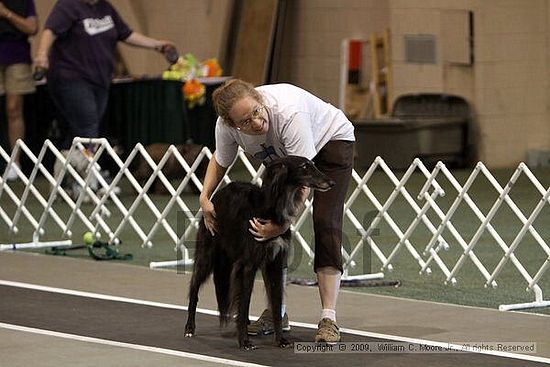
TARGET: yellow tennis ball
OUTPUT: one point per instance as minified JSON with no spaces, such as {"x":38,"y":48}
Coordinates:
{"x":88,"y":238}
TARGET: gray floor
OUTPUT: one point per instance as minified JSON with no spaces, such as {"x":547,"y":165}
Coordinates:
{"x":361,"y":312}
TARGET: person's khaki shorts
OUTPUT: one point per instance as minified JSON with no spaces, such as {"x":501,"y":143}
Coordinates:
{"x":16,"y":79}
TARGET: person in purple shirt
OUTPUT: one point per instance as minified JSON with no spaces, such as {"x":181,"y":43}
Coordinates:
{"x":77,"y":49}
{"x":18,"y":21}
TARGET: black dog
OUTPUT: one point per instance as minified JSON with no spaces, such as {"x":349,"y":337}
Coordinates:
{"x":234,"y":256}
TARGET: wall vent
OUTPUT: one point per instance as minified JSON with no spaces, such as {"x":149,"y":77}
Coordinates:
{"x":420,"y":48}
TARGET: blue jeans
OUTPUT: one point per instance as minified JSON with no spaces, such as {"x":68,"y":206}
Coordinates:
{"x":80,"y":108}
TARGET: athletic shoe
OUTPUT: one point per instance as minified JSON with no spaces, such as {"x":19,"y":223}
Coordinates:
{"x":12,"y":175}
{"x":264,"y":325}
{"x":327,"y":332}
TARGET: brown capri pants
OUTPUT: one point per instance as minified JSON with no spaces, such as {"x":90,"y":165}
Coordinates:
{"x":335,"y":160}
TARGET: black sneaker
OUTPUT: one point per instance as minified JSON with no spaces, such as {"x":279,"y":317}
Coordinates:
{"x":264,"y":325}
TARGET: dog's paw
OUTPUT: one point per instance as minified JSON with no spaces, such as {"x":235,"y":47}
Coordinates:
{"x":247,"y":345}
{"x":283,"y":343}
{"x":189,"y":332}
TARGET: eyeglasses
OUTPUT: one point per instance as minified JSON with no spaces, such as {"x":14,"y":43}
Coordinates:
{"x":256,"y":112}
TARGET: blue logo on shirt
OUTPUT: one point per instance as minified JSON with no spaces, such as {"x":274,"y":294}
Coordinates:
{"x":267,"y":154}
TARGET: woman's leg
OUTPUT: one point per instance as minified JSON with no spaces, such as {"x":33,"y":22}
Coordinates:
{"x":16,"y":122}
{"x":80,"y":107}
{"x":16,"y":81}
{"x":335,"y":160}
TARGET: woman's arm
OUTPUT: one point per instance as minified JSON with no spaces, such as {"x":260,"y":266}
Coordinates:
{"x":46,"y":40}
{"x":139,"y":40}
{"x":26,"y":25}
{"x":213,"y":176}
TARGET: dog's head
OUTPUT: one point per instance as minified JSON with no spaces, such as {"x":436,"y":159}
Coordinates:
{"x":296,"y":172}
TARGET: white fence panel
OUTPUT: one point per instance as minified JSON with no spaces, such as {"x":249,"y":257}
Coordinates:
{"x":80,"y":166}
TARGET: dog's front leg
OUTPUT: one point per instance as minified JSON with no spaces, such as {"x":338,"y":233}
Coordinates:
{"x":244,"y":294}
{"x":273,"y":277}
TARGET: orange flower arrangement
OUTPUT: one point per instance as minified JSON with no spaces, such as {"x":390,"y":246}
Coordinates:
{"x":194,"y":92}
{"x":213,"y":67}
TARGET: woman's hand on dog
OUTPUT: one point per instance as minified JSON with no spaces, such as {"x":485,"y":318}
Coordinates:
{"x":209,"y":215}
{"x":263,"y":229}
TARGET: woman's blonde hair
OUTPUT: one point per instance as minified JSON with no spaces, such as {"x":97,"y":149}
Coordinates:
{"x":225,"y":97}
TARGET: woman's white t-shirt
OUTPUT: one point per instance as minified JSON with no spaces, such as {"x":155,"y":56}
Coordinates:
{"x":299,"y":124}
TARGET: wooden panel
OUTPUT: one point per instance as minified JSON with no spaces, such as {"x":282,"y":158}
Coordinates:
{"x":255,"y":23}
{"x":455,"y":36}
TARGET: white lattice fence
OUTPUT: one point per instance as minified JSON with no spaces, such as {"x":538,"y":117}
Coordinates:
{"x":96,"y":204}
{"x":485,"y":225}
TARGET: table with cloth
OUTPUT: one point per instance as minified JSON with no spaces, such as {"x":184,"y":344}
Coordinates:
{"x":142,"y":110}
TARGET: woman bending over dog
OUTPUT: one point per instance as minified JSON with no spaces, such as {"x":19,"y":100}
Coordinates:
{"x":276,"y":120}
